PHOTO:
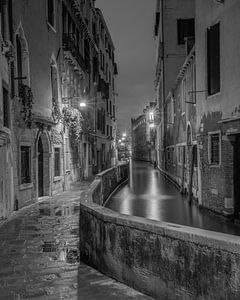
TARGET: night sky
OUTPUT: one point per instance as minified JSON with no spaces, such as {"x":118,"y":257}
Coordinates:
{"x":131,"y":23}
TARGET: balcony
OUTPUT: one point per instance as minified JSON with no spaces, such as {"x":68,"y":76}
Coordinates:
{"x":71,"y":44}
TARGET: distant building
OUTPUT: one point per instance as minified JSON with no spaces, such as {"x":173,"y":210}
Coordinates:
{"x":218,"y":106}
{"x":144,"y":134}
{"x":139,"y":139}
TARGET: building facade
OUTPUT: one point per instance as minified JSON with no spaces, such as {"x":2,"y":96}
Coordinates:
{"x":62,"y":95}
{"x":144,"y":134}
{"x":139,"y":139}
{"x":6,"y":135}
{"x":181,"y":137}
{"x":217,"y":98}
{"x":174,"y":27}
{"x":198,"y":137}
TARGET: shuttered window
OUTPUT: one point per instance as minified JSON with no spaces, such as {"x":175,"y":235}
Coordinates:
{"x":25,"y":164}
{"x":50,"y":12}
{"x":57,"y":162}
{"x":213,"y":59}
{"x":214,"y":149}
{"x":6,"y":112}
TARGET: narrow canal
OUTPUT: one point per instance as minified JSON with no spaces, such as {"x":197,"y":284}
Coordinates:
{"x":150,"y":195}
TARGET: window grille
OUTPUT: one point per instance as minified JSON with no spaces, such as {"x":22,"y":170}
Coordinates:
{"x":214,"y":149}
{"x":25,"y":164}
{"x":56,"y":161}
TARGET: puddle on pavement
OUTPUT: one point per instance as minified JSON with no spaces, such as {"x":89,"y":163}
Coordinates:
{"x":59,"y":211}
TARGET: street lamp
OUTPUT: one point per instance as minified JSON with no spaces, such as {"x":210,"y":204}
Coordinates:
{"x":82,"y":104}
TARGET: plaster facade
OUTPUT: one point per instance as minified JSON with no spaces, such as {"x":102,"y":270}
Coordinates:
{"x":218,"y":113}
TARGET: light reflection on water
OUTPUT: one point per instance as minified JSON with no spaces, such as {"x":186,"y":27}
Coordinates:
{"x":148,"y":194}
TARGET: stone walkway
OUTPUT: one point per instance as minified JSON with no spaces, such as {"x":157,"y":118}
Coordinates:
{"x":39,"y":257}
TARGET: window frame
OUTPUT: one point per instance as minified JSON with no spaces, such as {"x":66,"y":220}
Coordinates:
{"x":7,"y":108}
{"x":210,"y":135}
{"x":208,"y":75}
{"x":25,"y":185}
{"x":181,"y":40}
{"x":67,"y":154}
{"x":56,"y":176}
{"x":53,"y":24}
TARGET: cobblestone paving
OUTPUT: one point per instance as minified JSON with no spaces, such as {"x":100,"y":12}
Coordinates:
{"x":39,"y":257}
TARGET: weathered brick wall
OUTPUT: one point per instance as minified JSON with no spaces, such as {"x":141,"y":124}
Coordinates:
{"x":166,"y":261}
{"x":217,"y":181}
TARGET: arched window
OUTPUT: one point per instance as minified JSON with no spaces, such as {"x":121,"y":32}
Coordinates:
{"x":19,"y":61}
{"x":54,"y":82}
{"x":189,"y":135}
{"x":22,"y":54}
{"x":54,"y":90}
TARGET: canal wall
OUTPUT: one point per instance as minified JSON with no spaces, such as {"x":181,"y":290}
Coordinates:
{"x":164,"y":260}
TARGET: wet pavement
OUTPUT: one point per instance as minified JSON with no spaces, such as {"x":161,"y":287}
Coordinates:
{"x":149,"y":194}
{"x":39,"y":257}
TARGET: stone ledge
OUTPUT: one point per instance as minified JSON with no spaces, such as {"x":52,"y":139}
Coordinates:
{"x":203,"y":237}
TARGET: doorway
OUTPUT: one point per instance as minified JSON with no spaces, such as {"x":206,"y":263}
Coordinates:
{"x":40,"y":168}
{"x":43,"y":166}
{"x":236,"y":176}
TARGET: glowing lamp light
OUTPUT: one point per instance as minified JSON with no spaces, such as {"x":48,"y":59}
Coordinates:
{"x":151,"y":116}
{"x":151,"y":125}
{"x":83,"y":104}
{"x":124,"y":134}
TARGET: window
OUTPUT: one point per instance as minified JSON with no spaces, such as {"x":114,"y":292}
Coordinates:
{"x":184,"y":155}
{"x":114,"y":111}
{"x":19,"y":61}
{"x":195,"y":161}
{"x":54,"y":82}
{"x":67,"y":154}
{"x":185,"y":28}
{"x":89,"y":154}
{"x":179,"y":154}
{"x":213,"y":59}
{"x":110,"y":131}
{"x":103,"y":154}
{"x":6,"y":115}
{"x":214,"y":148}
{"x":183,"y":104}
{"x":56,"y":161}
{"x":50,"y":12}
{"x":25,"y":164}
{"x":3,"y":10}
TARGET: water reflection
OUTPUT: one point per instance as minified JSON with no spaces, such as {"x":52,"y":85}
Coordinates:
{"x":148,"y":194}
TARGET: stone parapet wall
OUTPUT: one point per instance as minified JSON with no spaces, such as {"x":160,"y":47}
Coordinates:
{"x":106,"y":182}
{"x":164,"y":260}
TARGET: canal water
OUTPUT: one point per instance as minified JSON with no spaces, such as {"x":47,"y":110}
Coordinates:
{"x":150,"y":195}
